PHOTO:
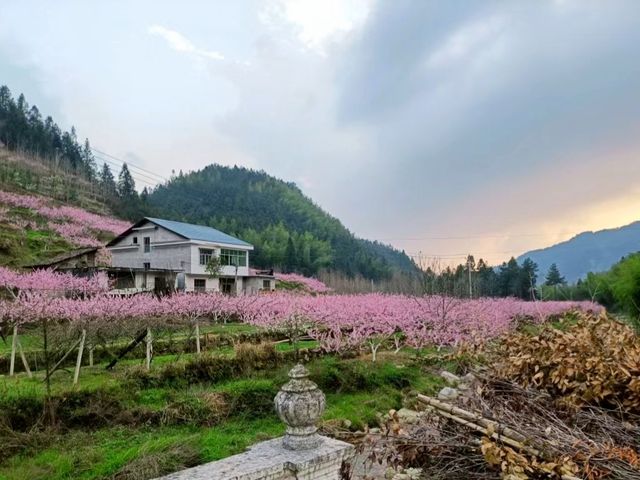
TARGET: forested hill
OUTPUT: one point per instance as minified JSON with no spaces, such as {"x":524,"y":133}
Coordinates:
{"x":588,"y":251}
{"x":287,"y":229}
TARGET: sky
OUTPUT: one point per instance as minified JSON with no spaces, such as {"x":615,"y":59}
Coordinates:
{"x":440,"y":127}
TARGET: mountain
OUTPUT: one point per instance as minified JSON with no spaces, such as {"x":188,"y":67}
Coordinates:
{"x":588,"y":251}
{"x":289,"y":231}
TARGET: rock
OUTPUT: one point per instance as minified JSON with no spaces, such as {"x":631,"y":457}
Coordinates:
{"x":413,"y":473}
{"x":390,"y":473}
{"x":374,"y":431}
{"x":448,"y":393}
{"x":449,"y":377}
{"x":469,"y":378}
{"x":408,"y":416}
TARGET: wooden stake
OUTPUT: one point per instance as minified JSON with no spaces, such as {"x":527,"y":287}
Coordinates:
{"x":197,"y":337}
{"x":64,"y":357}
{"x":149,"y":348}
{"x":24,"y":360}
{"x":76,"y":375}
{"x":14,"y":343}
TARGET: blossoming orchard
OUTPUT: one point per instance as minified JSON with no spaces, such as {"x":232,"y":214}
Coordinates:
{"x":87,"y":313}
{"x":75,"y":224}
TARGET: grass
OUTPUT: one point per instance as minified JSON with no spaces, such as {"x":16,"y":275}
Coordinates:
{"x":82,"y":455}
{"x":187,"y":430}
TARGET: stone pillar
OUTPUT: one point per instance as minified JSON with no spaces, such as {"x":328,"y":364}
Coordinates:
{"x":301,"y":454}
{"x":300,"y":404}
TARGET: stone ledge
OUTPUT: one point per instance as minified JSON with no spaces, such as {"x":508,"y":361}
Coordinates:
{"x":270,"y":460}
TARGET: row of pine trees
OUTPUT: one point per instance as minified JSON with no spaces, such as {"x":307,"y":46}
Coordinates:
{"x":23,"y":129}
{"x":510,"y":279}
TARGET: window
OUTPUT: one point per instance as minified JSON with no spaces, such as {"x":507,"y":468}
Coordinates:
{"x":147,"y":244}
{"x":205,"y":256}
{"x":135,"y":240}
{"x":200,"y":284}
{"x":233,"y":257}
{"x":146,"y":265}
{"x":266,"y":284}
{"x":227,"y":285}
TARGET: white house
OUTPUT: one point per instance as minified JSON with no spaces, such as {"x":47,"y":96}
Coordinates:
{"x":154,"y":249}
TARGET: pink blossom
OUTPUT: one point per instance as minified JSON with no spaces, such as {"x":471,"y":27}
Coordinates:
{"x":311,"y":284}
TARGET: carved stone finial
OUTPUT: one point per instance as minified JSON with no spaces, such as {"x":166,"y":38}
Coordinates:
{"x":300,"y":404}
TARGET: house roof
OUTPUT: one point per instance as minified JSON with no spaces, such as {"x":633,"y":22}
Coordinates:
{"x":61,"y":257}
{"x":188,"y":231}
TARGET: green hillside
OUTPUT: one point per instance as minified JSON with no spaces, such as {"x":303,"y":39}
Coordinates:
{"x":288,"y":230}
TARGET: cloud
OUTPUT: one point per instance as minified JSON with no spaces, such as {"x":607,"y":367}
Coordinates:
{"x":315,"y":24}
{"x":182,"y":44}
{"x":405,"y":119}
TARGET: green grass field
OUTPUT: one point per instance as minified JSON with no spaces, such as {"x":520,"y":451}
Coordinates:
{"x":130,"y":424}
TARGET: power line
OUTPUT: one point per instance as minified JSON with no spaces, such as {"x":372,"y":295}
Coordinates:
{"x":137,"y":176}
{"x":130,"y":164}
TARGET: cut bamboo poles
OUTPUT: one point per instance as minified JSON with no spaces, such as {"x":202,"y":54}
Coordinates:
{"x":490,"y":428}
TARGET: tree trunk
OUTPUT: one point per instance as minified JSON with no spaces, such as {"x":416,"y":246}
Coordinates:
{"x":79,"y":359}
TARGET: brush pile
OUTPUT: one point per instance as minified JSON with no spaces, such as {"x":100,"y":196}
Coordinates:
{"x":593,"y":362}
{"x":515,"y":423}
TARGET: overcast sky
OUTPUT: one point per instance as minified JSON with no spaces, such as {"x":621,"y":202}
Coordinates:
{"x":440,"y":127}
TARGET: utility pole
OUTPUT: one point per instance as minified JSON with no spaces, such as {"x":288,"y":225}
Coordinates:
{"x":469,"y":269}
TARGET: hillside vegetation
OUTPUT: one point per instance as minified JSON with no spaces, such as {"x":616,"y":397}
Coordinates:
{"x":288,"y":230}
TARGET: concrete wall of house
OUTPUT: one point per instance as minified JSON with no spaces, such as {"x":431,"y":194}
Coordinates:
{"x":253,"y":285}
{"x":211,"y":284}
{"x":163,"y":255}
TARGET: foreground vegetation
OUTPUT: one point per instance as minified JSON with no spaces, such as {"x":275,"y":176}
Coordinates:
{"x":134,"y":423}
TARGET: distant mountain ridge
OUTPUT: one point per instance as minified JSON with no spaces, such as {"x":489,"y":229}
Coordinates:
{"x":588,"y":251}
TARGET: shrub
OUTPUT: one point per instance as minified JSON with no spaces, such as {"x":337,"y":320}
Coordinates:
{"x":251,"y":397}
{"x":336,"y":375}
{"x":205,"y":409}
{"x":250,"y":357}
{"x":595,"y":361}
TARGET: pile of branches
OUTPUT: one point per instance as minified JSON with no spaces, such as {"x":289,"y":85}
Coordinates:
{"x":509,"y":432}
{"x":593,"y":362}
{"x":563,"y":404}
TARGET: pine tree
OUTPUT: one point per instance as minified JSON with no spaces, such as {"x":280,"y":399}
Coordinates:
{"x":107,"y":182}
{"x":126,"y":184}
{"x":89,"y":161}
{"x":291,"y":257}
{"x":553,"y":277}
{"x":529,"y":277}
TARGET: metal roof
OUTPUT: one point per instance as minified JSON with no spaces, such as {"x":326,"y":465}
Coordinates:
{"x":198,"y":232}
